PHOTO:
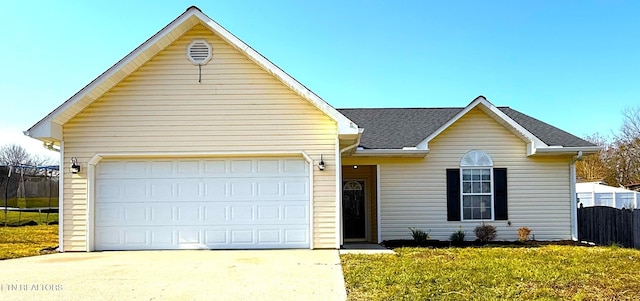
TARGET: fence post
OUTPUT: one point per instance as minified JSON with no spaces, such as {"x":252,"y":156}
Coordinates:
{"x":636,"y":228}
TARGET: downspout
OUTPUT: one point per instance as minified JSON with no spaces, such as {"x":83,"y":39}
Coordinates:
{"x":574,"y":201}
{"x":339,"y":225}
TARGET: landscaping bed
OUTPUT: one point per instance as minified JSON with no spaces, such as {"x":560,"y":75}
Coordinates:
{"x":400,"y":243}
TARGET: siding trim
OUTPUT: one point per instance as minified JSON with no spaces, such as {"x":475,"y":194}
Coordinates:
{"x":339,"y":234}
{"x":93,"y":162}
{"x":311,"y":238}
{"x":574,"y":201}
{"x":62,"y":167}
{"x":90,"y":215}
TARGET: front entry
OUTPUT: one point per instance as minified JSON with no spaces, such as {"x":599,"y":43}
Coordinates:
{"x":354,"y":210}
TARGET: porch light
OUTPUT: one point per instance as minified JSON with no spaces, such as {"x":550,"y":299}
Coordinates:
{"x":321,"y":164}
{"x":75,"y":167}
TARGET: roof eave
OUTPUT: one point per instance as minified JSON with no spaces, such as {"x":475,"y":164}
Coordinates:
{"x":568,"y":150}
{"x":406,"y":153}
{"x":46,"y":131}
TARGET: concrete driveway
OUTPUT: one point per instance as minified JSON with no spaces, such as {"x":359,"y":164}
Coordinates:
{"x":175,"y":275}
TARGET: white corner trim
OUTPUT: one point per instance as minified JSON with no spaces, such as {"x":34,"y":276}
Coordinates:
{"x":61,"y":169}
{"x":90,"y":227}
{"x":573,"y":200}
{"x":311,"y":198}
{"x":480,"y":100}
{"x":339,"y":225}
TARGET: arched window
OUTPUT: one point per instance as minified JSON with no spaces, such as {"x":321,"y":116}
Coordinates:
{"x":476,"y":186}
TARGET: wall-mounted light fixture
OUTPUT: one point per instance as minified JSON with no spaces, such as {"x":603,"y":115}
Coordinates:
{"x":321,"y":164}
{"x":75,"y":167}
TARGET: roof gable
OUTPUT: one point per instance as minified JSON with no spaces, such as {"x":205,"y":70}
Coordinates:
{"x":482,"y":103}
{"x":413,"y":128}
{"x":49,"y":128}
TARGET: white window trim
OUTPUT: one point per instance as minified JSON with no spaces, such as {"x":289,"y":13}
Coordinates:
{"x":465,"y":164}
{"x":462,"y":194}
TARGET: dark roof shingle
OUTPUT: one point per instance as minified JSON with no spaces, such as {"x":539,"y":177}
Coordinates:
{"x":395,"y":128}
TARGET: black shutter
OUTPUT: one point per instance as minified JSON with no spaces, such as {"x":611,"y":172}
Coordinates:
{"x":500,"y":193}
{"x":453,"y":194}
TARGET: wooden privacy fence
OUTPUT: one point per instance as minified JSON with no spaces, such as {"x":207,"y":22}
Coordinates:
{"x":608,"y":225}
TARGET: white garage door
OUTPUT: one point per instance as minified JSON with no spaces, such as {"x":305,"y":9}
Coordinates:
{"x":202,"y":204}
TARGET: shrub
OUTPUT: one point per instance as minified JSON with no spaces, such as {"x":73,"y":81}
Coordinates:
{"x":523,"y":234}
{"x":485,"y":232}
{"x":457,"y":236}
{"x":419,"y":236}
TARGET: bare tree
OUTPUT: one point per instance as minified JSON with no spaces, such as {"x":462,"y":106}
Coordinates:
{"x":630,"y":130}
{"x":594,"y":167}
{"x":627,"y":154}
{"x":14,"y":154}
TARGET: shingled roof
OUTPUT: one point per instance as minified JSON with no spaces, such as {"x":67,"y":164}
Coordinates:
{"x":395,"y":128}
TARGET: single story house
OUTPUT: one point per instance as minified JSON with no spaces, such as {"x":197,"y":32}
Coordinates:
{"x":591,"y":194}
{"x":196,"y":141}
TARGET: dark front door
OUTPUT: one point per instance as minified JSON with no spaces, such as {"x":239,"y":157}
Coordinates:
{"x":353,"y":209}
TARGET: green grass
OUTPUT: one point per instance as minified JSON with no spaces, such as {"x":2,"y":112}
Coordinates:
{"x":26,"y":241}
{"x":30,"y":202}
{"x":544,"y":273}
{"x":14,"y":217}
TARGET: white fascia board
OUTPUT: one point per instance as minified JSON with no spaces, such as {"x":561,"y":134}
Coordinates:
{"x":84,"y":92}
{"x":345,"y":126}
{"x":480,"y":100}
{"x":559,"y":150}
{"x":415,"y":153}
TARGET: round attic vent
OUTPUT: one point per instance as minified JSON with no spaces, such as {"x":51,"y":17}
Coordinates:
{"x":199,"y":52}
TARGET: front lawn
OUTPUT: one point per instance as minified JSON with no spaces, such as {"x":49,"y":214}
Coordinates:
{"x":26,"y":241}
{"x":490,"y":273}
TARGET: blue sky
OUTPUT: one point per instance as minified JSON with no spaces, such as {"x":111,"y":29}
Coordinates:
{"x":573,"y":64}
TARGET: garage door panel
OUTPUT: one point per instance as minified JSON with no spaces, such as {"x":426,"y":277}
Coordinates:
{"x":215,"y":167}
{"x":215,"y":189}
{"x":232,"y":213}
{"x":202,"y":204}
{"x":195,"y":237}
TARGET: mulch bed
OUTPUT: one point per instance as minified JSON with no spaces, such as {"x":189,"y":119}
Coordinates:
{"x":399,"y":243}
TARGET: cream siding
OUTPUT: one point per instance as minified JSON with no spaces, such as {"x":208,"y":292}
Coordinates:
{"x":413,"y":191}
{"x":238,"y":107}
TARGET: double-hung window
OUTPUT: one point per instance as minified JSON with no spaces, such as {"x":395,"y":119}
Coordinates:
{"x":477,"y":196}
{"x":476,"y":190}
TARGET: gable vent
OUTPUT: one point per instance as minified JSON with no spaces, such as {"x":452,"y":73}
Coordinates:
{"x":199,"y":52}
